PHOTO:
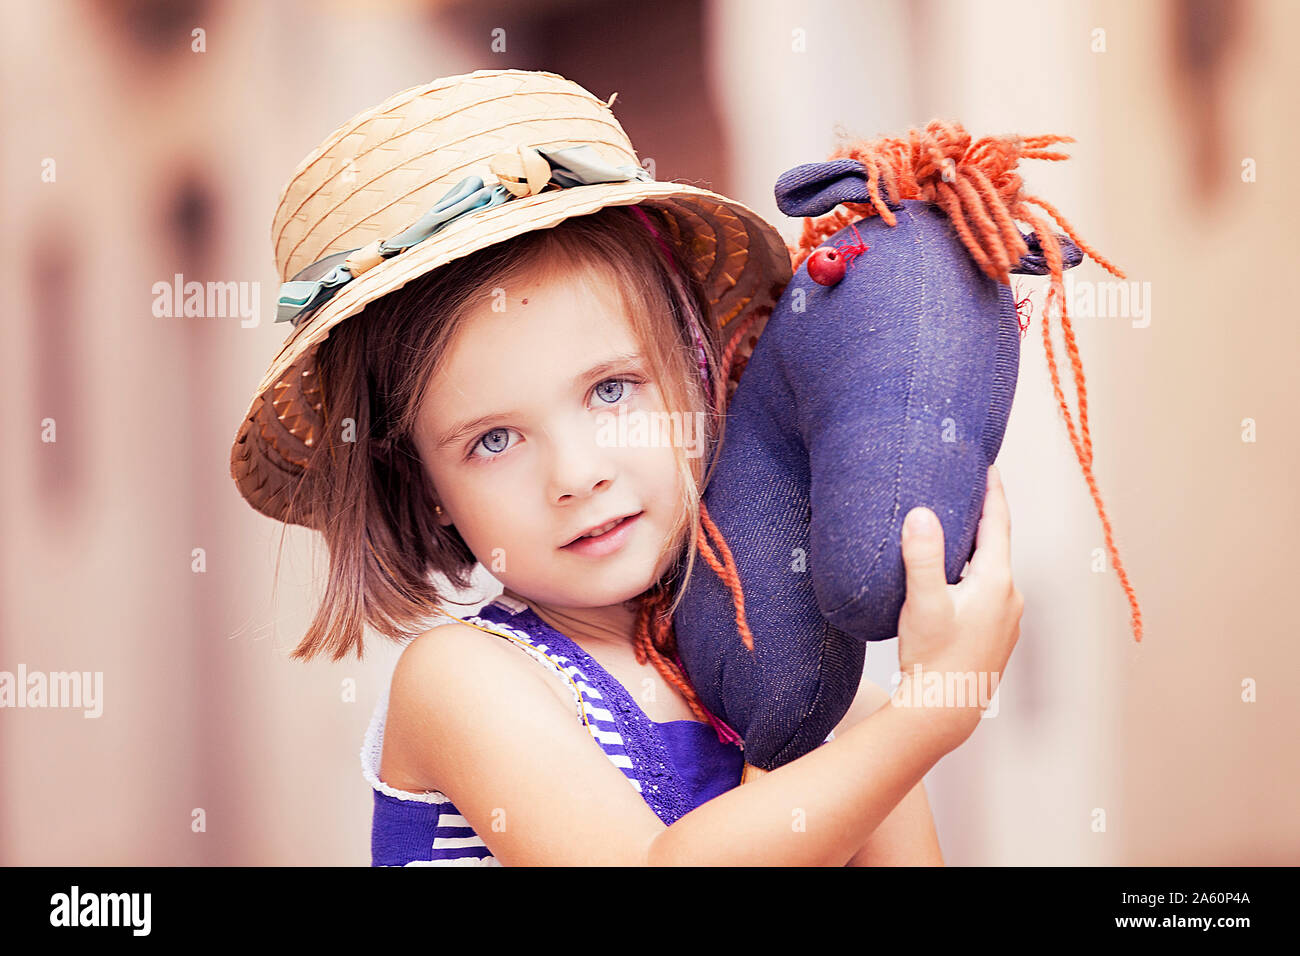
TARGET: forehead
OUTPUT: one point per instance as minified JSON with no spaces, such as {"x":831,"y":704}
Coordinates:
{"x":536,"y":332}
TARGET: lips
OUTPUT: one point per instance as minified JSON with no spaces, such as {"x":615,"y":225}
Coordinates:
{"x":604,"y":526}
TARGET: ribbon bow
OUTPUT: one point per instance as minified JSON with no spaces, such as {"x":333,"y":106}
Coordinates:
{"x":522,"y":171}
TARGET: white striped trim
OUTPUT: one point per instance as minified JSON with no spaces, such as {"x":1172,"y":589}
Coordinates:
{"x":456,"y":843}
{"x":611,"y":737}
{"x":459,"y":861}
{"x":372,"y":750}
{"x":598,"y":713}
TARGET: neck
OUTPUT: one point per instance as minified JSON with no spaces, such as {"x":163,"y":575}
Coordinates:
{"x":614,"y":624}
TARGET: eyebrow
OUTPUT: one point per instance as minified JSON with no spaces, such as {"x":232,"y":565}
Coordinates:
{"x":600,"y":369}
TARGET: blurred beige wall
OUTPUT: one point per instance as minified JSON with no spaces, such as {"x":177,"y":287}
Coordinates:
{"x":170,"y":161}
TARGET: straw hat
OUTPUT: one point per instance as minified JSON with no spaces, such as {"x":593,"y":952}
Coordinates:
{"x":391,"y":195}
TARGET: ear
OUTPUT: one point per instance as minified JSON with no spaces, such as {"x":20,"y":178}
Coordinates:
{"x":816,"y":188}
{"x":1034,"y":263}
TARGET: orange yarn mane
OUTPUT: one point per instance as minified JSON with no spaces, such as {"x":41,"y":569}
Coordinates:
{"x":977,"y":185}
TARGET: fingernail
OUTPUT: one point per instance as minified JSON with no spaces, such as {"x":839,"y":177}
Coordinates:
{"x":919,"y":522}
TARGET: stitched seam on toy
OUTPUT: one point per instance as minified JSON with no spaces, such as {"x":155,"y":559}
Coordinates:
{"x":821,"y":680}
{"x":1002,"y":370}
{"x":1006,"y":335}
{"x":922,"y":240}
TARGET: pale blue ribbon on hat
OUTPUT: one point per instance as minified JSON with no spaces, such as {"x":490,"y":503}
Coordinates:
{"x":571,"y":166}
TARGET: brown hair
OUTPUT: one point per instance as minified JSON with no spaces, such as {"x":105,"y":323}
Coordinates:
{"x":373,"y":495}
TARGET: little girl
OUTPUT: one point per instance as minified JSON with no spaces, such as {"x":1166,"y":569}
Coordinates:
{"x":544,"y":399}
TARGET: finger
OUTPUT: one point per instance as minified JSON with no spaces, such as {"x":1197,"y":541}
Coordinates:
{"x":923,"y":560}
{"x":993,"y":538}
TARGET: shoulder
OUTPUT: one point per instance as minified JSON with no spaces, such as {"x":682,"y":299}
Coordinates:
{"x":454,"y":659}
{"x":444,"y":644}
{"x":452,"y":683}
{"x":474,"y":659}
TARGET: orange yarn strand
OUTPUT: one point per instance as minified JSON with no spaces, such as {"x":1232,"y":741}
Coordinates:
{"x":726,"y":570}
{"x":729,"y":353}
{"x":1082,"y":446}
{"x":653,"y":639}
{"x":1080,"y":437}
{"x":1069,"y":231}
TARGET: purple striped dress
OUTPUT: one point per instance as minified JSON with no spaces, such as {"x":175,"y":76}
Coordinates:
{"x":675,"y":765}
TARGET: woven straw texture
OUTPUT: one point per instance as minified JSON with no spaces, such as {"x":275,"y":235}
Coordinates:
{"x":382,"y":170}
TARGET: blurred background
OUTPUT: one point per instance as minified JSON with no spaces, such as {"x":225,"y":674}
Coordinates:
{"x":145,"y":139}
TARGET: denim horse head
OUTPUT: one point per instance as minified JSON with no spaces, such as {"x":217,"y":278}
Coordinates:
{"x":884,"y":391}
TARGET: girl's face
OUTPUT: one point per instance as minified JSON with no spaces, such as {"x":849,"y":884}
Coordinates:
{"x":515,"y":433}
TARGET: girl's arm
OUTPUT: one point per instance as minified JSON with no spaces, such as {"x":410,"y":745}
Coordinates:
{"x":826,"y":807}
{"x":471,"y":717}
{"x":907,"y":836}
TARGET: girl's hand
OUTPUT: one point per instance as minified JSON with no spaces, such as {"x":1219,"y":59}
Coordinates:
{"x":966,"y":630}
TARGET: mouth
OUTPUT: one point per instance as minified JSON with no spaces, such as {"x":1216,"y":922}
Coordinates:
{"x":603,"y":538}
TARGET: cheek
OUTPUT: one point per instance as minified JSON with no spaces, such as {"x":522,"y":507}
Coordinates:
{"x":489,"y":505}
{"x":666,"y":484}
{"x":458,"y":494}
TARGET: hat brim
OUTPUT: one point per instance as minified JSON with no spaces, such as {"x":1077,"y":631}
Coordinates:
{"x":741,"y":261}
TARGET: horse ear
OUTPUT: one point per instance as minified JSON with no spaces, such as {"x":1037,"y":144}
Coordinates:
{"x":1034,"y":263}
{"x":814,"y":189}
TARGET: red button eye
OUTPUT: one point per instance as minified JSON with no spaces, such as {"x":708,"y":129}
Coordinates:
{"x":826,"y":266}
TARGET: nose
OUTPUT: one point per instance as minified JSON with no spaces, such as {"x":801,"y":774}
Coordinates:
{"x":579,"y":466}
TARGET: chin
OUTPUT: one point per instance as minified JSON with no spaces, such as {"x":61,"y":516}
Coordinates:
{"x":618,"y":595}
{"x":616,"y":588}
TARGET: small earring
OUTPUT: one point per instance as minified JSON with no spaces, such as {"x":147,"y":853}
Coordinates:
{"x":437,"y":509}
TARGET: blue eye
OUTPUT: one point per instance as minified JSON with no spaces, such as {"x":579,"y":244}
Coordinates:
{"x":494,"y":442}
{"x":612,"y":396}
